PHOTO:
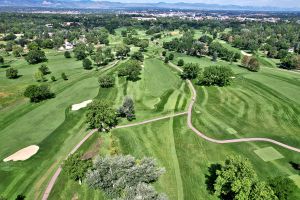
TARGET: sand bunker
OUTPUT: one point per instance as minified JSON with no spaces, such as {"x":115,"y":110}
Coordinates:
{"x":23,"y":154}
{"x":81,"y":105}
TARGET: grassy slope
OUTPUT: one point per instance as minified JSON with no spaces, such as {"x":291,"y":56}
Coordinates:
{"x":152,"y":98}
{"x":47,"y":124}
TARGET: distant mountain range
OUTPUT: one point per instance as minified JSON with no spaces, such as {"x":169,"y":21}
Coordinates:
{"x":90,"y":4}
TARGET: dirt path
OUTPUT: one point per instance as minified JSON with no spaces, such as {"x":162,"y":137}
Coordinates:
{"x":190,"y":124}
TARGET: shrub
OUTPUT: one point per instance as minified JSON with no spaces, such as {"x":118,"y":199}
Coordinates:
{"x":164,"y":53}
{"x":87,"y":64}
{"x":1,"y":60}
{"x":44,"y":69}
{"x":64,"y":76}
{"x":166,"y":60}
{"x":67,"y":54}
{"x":171,"y":56}
{"x":38,"y":93}
{"x":12,"y":73}
{"x":180,"y":62}
{"x":53,"y":78}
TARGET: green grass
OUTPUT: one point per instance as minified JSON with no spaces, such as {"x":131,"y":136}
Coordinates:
{"x":268,"y":154}
{"x":47,"y":124}
{"x":296,"y":179}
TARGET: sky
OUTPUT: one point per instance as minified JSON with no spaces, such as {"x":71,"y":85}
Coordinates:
{"x":273,"y":3}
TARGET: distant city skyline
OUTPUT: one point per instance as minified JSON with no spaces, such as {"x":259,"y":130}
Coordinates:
{"x":273,"y":3}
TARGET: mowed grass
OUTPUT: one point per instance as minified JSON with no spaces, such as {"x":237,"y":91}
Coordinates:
{"x":268,"y":154}
{"x":158,"y":92}
{"x":48,"y":124}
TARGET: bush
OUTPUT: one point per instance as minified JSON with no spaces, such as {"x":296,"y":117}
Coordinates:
{"x":53,"y":78}
{"x":35,"y":56}
{"x":87,"y":64}
{"x":12,"y":73}
{"x":67,"y":54}
{"x":253,"y":64}
{"x":166,"y":60}
{"x":164,"y":53}
{"x":38,"y":93}
{"x":216,"y":75}
{"x":171,"y":56}
{"x":180,"y":62}
{"x":1,"y":60}
{"x":64,"y":76}
{"x":44,"y":69}
{"x":106,"y":81}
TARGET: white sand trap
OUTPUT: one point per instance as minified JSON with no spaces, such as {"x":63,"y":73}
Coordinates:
{"x":81,"y":105}
{"x":23,"y":154}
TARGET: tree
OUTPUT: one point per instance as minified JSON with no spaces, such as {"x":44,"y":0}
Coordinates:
{"x":36,"y":56}
{"x":122,"y":51}
{"x":253,"y":64}
{"x":101,"y":115}
{"x":131,"y":69}
{"x":87,"y":64}
{"x":17,"y":51}
{"x":138,"y":56}
{"x":171,"y":56}
{"x":44,"y":69}
{"x":235,"y":179}
{"x":12,"y":73}
{"x":106,"y":81}
{"x":75,"y":167}
{"x":39,"y":76}
{"x":1,"y":60}
{"x":38,"y":93}
{"x":290,"y":62}
{"x":245,"y":60}
{"x":67,"y":54}
{"x":216,"y":75}
{"x":215,"y":56}
{"x":64,"y":76}
{"x":79,"y":52}
{"x":98,"y":57}
{"x":283,"y":187}
{"x":53,"y":78}
{"x":116,"y":174}
{"x":144,"y":191}
{"x":164,"y":53}
{"x":127,"y":109}
{"x":166,"y":60}
{"x":47,"y":44}
{"x":180,"y":62}
{"x":190,"y":71}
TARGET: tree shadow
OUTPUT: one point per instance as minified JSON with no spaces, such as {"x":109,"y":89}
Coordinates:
{"x":210,"y":178}
{"x":296,"y":166}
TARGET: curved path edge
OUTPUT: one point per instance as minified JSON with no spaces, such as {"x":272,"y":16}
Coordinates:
{"x":190,"y":124}
{"x":58,"y":171}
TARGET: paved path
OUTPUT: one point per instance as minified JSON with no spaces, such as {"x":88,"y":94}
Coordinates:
{"x":190,"y":124}
{"x":58,"y":171}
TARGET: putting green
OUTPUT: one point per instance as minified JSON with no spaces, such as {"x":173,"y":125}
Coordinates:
{"x":296,"y":179}
{"x":268,"y":154}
